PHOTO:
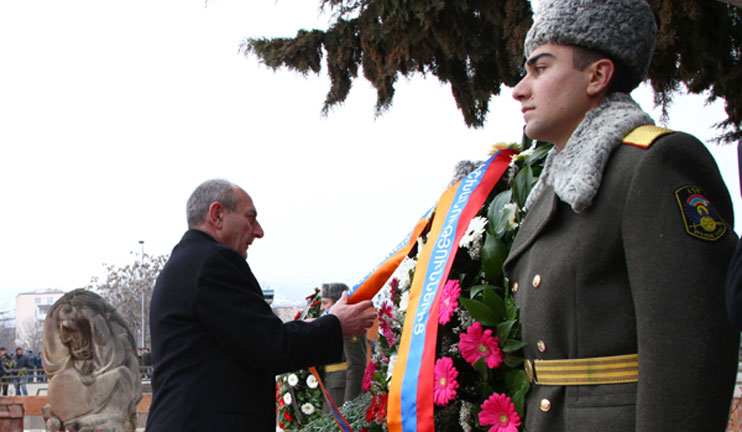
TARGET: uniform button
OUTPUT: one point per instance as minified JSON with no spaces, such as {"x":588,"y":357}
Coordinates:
{"x":545,"y":405}
{"x":541,"y":346}
{"x":536,"y":281}
{"x":515,"y":287}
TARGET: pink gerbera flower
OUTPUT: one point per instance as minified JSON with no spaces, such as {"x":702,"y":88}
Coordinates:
{"x":499,"y":412}
{"x":444,"y":390}
{"x":385,"y":310}
{"x":476,"y":343}
{"x":368,"y":376}
{"x":449,"y":301}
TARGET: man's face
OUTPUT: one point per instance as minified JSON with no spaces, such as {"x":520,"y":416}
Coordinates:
{"x":553,"y":94}
{"x":18,"y":353}
{"x":326,"y":303}
{"x":240,"y":227}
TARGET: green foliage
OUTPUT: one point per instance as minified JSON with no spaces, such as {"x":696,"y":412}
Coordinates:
{"x":475,"y":46}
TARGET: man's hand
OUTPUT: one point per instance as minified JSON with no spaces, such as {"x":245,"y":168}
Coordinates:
{"x":353,"y":318}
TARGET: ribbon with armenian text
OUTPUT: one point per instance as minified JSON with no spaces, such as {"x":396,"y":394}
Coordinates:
{"x":410,"y":406}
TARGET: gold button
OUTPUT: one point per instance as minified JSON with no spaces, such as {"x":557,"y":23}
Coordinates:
{"x":545,"y":405}
{"x":536,"y":281}
{"x":541,"y":346}
{"x":515,"y":287}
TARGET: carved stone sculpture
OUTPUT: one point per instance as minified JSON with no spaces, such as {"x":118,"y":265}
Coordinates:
{"x":90,"y":358}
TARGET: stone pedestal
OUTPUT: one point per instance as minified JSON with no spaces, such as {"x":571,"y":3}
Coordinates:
{"x":11,"y":417}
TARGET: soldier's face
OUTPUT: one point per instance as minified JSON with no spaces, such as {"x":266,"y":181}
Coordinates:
{"x":553,"y":94}
{"x":326,"y":303}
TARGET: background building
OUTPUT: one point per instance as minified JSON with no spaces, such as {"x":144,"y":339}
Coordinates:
{"x":30,"y":312}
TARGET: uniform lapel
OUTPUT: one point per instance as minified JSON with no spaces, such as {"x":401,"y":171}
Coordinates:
{"x":536,"y":220}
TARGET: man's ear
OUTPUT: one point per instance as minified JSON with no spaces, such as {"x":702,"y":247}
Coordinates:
{"x":215,"y":215}
{"x":599,"y":76}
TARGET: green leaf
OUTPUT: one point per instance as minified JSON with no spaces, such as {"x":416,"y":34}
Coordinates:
{"x":476,"y":289}
{"x":494,"y":252}
{"x":481,"y":367}
{"x":522,"y":185}
{"x":512,"y":346}
{"x":511,"y":310}
{"x":503,"y":329}
{"x":480,"y":312}
{"x":495,"y":302}
{"x":516,"y":380}
{"x":513,"y":361}
{"x":495,"y":210}
{"x":539,"y":153}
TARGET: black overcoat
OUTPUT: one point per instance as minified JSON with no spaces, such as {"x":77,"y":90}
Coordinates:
{"x":631,"y":274}
{"x":217,"y":345}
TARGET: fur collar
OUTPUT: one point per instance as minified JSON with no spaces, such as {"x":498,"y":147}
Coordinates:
{"x":577,"y":170}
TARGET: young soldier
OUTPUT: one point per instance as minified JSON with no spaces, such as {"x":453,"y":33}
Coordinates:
{"x":619,"y":266}
{"x":343,"y":380}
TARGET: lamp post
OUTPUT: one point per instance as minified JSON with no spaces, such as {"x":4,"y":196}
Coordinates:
{"x":141,"y":272}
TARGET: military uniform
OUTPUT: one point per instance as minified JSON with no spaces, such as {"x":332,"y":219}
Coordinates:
{"x":343,"y":380}
{"x":637,"y":272}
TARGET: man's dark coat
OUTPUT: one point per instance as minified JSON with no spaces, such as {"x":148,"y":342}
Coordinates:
{"x":626,"y":276}
{"x":217,"y":345}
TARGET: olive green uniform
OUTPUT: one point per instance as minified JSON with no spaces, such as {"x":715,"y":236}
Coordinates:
{"x":343,"y":380}
{"x":632,"y":273}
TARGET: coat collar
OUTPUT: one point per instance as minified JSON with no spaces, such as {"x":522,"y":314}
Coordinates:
{"x":537,"y":218}
{"x":575,"y":173}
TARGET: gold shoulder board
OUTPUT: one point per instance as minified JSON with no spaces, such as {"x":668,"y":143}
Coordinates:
{"x":644,"y":136}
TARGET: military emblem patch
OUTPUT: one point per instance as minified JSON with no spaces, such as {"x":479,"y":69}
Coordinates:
{"x":700,"y":218}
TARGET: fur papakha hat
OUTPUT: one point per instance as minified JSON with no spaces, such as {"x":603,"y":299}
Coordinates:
{"x":623,"y":29}
{"x":333,"y":290}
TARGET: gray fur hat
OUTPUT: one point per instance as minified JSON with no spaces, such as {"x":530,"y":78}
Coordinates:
{"x":333,"y":290}
{"x":623,"y":29}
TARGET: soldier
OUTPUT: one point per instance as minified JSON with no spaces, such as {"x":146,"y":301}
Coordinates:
{"x":343,"y":380}
{"x":618,"y":268}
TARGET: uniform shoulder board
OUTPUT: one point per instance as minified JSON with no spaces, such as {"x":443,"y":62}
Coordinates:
{"x":644,"y":136}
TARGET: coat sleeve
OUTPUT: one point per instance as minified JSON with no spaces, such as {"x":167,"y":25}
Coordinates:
{"x":687,"y":346}
{"x":734,"y":288}
{"x":231,"y":307}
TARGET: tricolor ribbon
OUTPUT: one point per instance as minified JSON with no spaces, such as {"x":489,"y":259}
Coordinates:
{"x":410,"y":406}
{"x":375,"y":280}
{"x":339,"y":419}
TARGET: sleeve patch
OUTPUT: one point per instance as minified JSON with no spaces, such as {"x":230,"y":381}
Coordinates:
{"x":699,"y":216}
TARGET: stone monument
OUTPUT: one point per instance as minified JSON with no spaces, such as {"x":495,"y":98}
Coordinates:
{"x":91,"y":360}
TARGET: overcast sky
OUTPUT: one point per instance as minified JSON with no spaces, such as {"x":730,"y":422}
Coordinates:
{"x":111,"y":113}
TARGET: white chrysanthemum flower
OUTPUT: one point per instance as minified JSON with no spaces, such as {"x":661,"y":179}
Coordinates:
{"x":293,"y":380}
{"x":404,"y":300}
{"x":312,"y":382}
{"x":390,"y":371}
{"x":287,"y":398}
{"x":307,"y":408}
{"x":511,"y":210}
{"x":474,"y":232}
{"x":472,"y":238}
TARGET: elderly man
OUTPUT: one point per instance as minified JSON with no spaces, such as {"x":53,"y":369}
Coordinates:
{"x":618,"y":268}
{"x":216,"y":344}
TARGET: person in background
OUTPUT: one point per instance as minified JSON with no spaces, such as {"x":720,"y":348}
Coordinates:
{"x":343,"y":380}
{"x":216,"y":343}
{"x":24,"y":366}
{"x":5,"y":360}
{"x":32,"y":360}
{"x":618,"y":267}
